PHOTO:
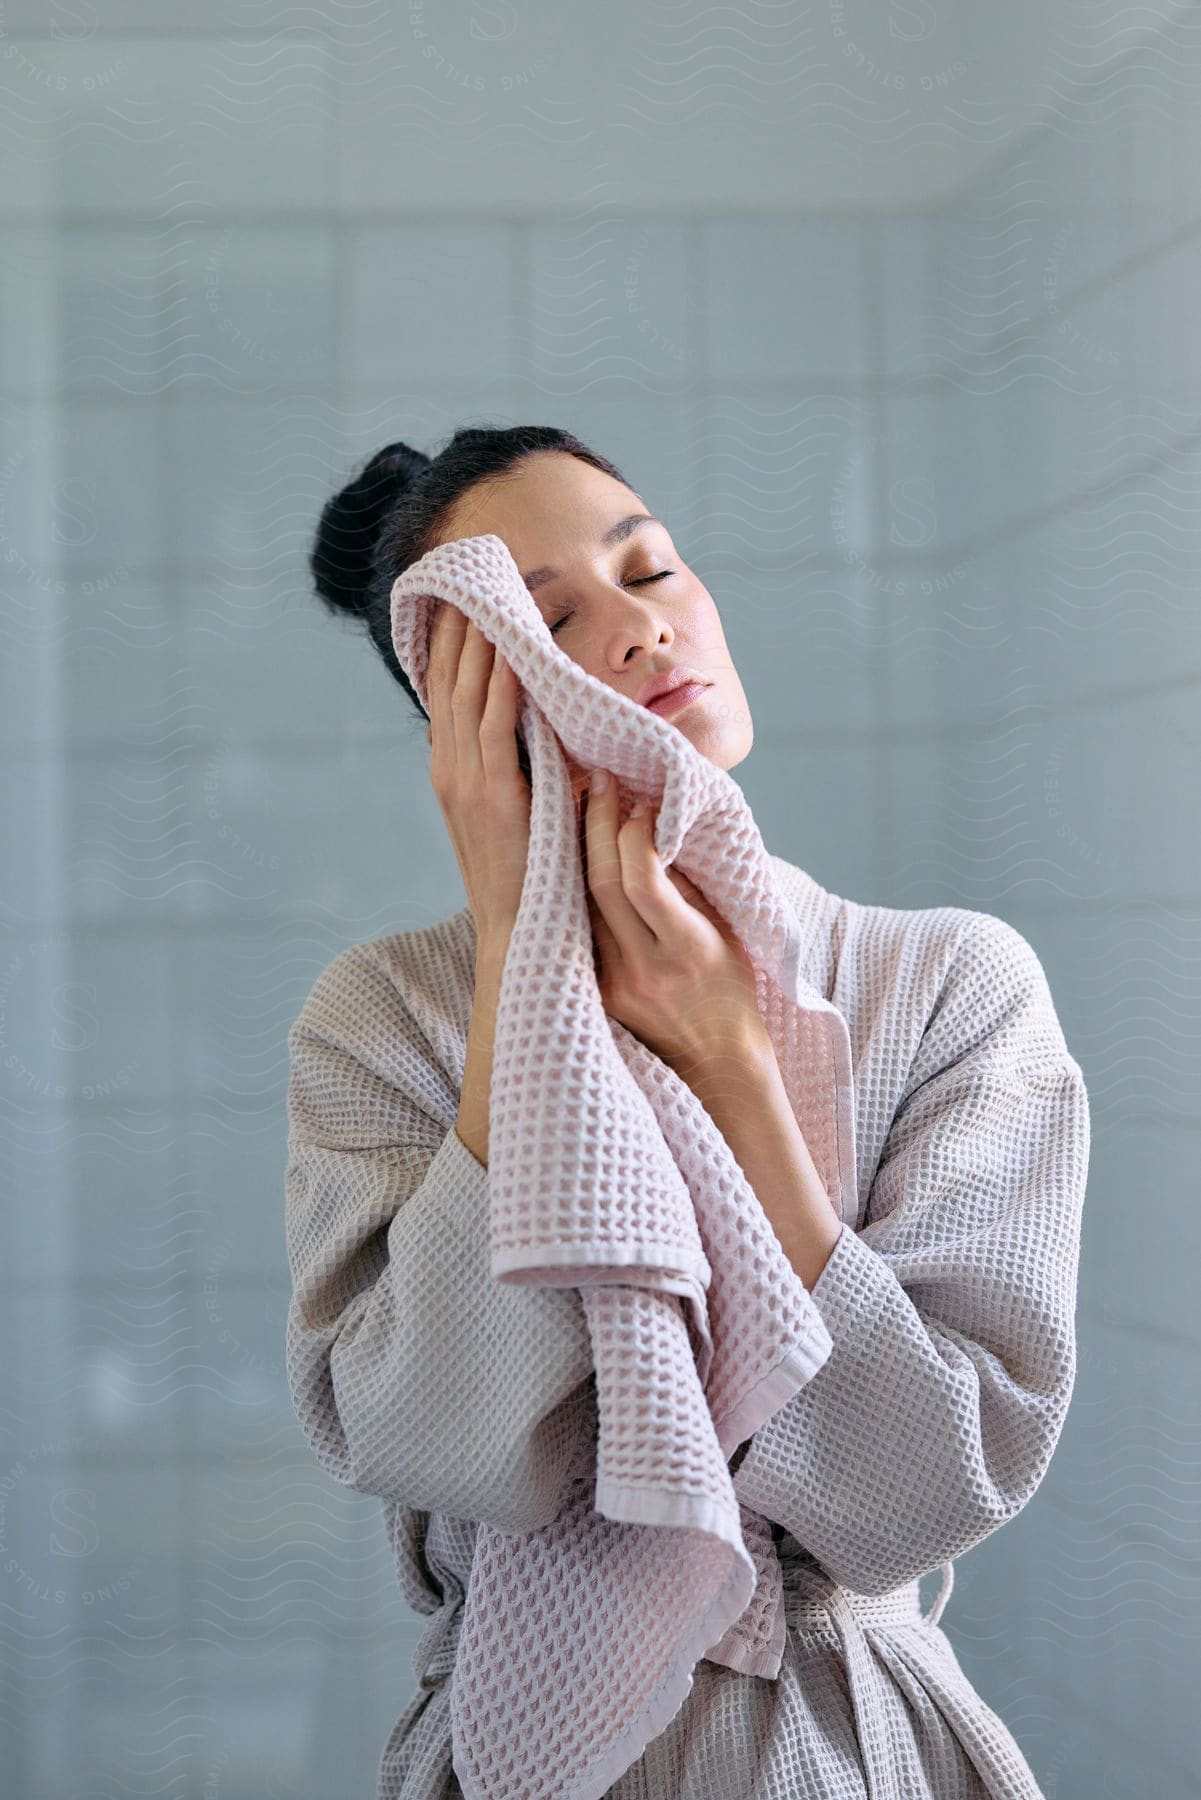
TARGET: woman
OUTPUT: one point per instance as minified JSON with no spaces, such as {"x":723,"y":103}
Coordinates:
{"x":459,"y":1399}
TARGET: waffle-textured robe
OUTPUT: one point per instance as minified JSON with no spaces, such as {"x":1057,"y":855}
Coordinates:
{"x":458,"y":1398}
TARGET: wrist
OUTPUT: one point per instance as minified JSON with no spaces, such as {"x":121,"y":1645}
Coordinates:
{"x":491,"y":949}
{"x":738,"y":1066}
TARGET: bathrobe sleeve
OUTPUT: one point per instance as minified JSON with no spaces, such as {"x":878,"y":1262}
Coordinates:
{"x":414,"y":1374}
{"x":952,"y":1312}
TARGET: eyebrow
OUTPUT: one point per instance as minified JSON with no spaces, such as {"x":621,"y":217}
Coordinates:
{"x":615,"y":535}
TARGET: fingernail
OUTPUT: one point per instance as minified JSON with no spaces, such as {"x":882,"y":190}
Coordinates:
{"x":600,"y":781}
{"x":639,"y":807}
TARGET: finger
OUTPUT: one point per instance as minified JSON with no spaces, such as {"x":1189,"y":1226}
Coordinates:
{"x":645,"y":878}
{"x":606,"y":868}
{"x":446,"y":639}
{"x":498,"y":722}
{"x":688,"y":888}
{"x":695,"y":897}
{"x":468,"y":697}
{"x":660,"y":906}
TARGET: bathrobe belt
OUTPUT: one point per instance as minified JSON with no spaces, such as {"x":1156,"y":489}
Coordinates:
{"x":813,"y":1601}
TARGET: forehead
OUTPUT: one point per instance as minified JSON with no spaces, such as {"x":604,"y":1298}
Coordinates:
{"x":547,"y":501}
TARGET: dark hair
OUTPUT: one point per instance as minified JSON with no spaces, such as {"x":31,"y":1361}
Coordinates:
{"x":395,"y":509}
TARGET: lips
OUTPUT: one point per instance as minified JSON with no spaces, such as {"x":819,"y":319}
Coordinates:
{"x":665,"y":682}
{"x":677,"y":698}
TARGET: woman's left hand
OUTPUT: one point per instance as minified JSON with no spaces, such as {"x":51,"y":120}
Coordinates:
{"x":670,"y":968}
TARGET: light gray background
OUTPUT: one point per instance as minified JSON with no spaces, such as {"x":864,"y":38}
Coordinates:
{"x":902,"y":342}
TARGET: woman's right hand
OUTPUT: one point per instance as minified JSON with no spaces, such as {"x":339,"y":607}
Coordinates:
{"x":484,"y":796}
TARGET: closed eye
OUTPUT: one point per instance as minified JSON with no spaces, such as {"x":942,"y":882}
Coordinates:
{"x":641,"y":582}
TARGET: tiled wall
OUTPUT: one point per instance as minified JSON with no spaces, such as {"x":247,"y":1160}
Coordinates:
{"x":937,"y":466}
{"x":1064,"y":749}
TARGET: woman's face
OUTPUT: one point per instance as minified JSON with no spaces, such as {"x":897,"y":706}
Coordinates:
{"x":553,"y":512}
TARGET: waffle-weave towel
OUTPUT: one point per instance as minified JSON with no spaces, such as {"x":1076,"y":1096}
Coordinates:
{"x":607,"y":1174}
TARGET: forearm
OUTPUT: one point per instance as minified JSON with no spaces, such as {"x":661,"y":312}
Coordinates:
{"x":472,"y":1121}
{"x":744,"y":1095}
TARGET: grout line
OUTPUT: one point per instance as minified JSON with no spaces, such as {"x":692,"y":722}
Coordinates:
{"x":875,"y":362}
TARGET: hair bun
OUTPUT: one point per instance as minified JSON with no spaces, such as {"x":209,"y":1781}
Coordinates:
{"x":340,"y":559}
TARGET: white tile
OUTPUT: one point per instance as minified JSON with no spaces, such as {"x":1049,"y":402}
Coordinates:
{"x":1155,"y":304}
{"x":245,"y":483}
{"x":239,"y":998}
{"x":611,"y":299}
{"x":30,"y":300}
{"x":919,"y":860}
{"x":130,"y":843}
{"x":1080,"y":331}
{"x":1162,"y":173}
{"x":1062,"y":324}
{"x":818,"y":804}
{"x":1149,"y":1644}
{"x":252,"y":306}
{"x":129,"y":1355}
{"x":131,"y":16}
{"x":427,"y":303}
{"x":919,"y":257}
{"x":350,"y":831}
{"x":171,"y":122}
{"x":116,"y":1720}
{"x":786,"y":478}
{"x":1078,"y":202}
{"x":280,"y":1551}
{"x":1001,"y":1599}
{"x":42,"y":1244}
{"x":783,"y":298}
{"x":126,"y":1212}
{"x":1089,"y":1605}
{"x":949,"y":646}
{"x":521,"y":106}
{"x":968,"y":468}
{"x":1135,"y":1567}
{"x":374,"y":415}
{"x":1098,"y":611}
{"x":276,"y":666}
{"x":28,"y":176}
{"x":239,"y":1405}
{"x":34,"y":640}
{"x":1106,"y":792}
{"x":87,"y":1017}
{"x":1140,"y":1191}
{"x":1122,"y":978}
{"x":34,"y":841}
{"x":1032,"y":804}
{"x":806,"y":645}
{"x":80,"y":496}
{"x":224,"y":1167}
{"x":112,"y":330}
{"x":116,"y":659}
{"x":515,"y":107}
{"x":274,"y":1716}
{"x":37,"y":1336}
{"x":1128,"y":523}
{"x":96,"y":1550}
{"x":940,"y":497}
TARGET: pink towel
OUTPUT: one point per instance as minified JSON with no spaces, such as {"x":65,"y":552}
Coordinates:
{"x":606,"y":1174}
